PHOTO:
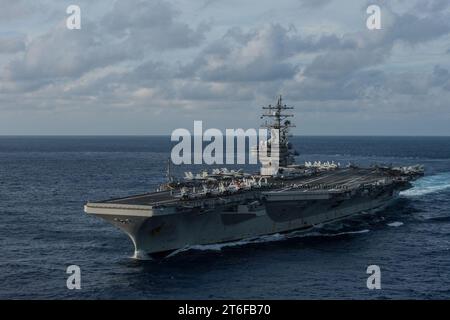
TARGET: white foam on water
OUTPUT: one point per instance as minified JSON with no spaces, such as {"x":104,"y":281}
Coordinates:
{"x":263,"y":239}
{"x":219,"y":246}
{"x":344,"y":233}
{"x":395,"y":224}
{"x":319,"y":234}
{"x":428,"y":184}
{"x":141,"y":255}
{"x":174,"y":253}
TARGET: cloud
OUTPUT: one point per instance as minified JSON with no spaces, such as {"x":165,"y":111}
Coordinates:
{"x":9,"y":45}
{"x":337,"y":65}
{"x":440,"y":78}
{"x":13,"y":10}
{"x":64,"y":54}
{"x":152,"y":25}
{"x":432,"y":6}
{"x":159,"y":57}
{"x":314,"y":3}
{"x":259,"y":55}
{"x":126,"y":33}
{"x":359,"y":73}
{"x":413,"y":29}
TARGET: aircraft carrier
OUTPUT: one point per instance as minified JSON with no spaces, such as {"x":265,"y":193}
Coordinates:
{"x":226,"y":205}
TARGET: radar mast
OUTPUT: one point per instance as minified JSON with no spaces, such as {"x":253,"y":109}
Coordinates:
{"x":277,"y":121}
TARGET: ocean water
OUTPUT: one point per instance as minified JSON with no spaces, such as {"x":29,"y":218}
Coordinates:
{"x":44,"y":182}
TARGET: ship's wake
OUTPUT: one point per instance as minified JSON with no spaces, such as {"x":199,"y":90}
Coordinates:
{"x":313,"y":232}
{"x":428,"y":184}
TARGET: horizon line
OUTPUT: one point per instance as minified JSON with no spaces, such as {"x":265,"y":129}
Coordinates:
{"x":168,"y":135}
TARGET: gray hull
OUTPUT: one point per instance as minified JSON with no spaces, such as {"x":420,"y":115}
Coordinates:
{"x":224,"y":205}
{"x":154,"y":232}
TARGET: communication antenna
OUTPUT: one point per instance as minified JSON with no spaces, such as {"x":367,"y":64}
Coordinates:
{"x":277,"y":118}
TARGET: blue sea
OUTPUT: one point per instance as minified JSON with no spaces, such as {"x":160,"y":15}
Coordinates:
{"x":45,"y":181}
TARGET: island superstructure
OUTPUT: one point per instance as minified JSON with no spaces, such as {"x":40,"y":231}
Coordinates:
{"x":226,"y":205}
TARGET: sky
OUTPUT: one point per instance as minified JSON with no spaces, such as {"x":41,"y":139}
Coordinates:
{"x":149,"y":67}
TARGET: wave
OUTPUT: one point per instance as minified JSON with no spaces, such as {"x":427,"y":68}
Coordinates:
{"x":141,"y":255}
{"x":428,"y":184}
{"x":439,"y":219}
{"x":395,"y":224}
{"x":264,"y":239}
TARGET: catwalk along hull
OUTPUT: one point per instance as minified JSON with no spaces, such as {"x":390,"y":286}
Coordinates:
{"x":154,"y":231}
